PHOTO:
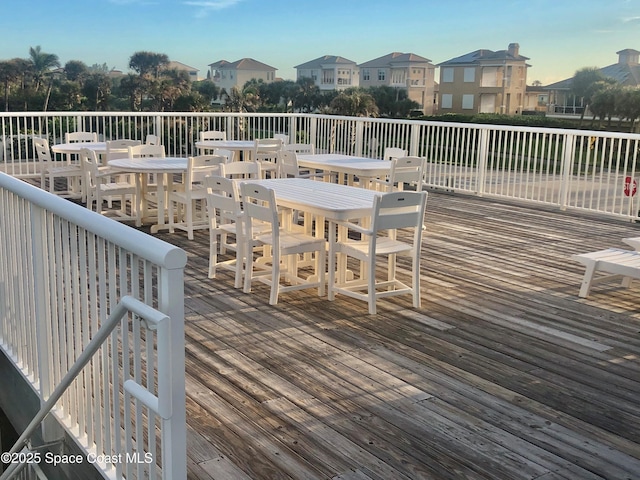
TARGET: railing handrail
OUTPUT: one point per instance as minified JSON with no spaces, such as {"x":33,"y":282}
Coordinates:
{"x":161,"y":406}
{"x":149,"y":248}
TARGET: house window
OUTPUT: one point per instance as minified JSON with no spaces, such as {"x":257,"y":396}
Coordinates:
{"x":365,"y":74}
{"x":469,"y":74}
{"x":447,"y":75}
{"x":381,"y":75}
{"x":446,"y":101}
{"x":467,"y":101}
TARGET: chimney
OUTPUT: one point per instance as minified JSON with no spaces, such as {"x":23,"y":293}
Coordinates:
{"x":514,"y":50}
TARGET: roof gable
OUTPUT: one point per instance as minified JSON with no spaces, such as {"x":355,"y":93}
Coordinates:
{"x":395,"y":59}
{"x":326,"y":60}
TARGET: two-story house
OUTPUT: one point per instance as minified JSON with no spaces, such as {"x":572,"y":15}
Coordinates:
{"x":330,"y":72}
{"x":407,"y":71}
{"x":484,"y":81}
{"x":227,"y":75}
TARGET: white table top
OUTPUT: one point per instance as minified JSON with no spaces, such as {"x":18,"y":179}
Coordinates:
{"x":152,"y":164}
{"x":75,"y":147}
{"x":226,"y":144}
{"x":330,"y":200}
{"x":347,"y":164}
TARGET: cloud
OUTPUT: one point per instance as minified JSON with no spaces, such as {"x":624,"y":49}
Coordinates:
{"x":205,"y":7}
{"x":631,"y":20}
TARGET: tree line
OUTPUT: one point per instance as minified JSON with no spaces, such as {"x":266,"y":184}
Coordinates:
{"x":41,"y":83}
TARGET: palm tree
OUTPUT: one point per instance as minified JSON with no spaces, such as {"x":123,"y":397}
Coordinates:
{"x":41,"y":63}
{"x":354,"y":103}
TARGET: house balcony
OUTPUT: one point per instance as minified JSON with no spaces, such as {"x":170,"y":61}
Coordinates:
{"x":504,"y":372}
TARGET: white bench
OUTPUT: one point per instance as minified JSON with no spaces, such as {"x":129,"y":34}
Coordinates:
{"x":612,"y":261}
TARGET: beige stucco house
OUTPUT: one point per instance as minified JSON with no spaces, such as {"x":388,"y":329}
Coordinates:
{"x":484,"y":81}
{"x":330,"y":72}
{"x":227,"y":75}
{"x":406,"y":71}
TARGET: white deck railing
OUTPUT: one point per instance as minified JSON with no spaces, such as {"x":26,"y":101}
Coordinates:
{"x":64,"y":269}
{"x":572,"y":169}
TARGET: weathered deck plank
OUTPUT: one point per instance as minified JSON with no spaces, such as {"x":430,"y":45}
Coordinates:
{"x":503,"y":373}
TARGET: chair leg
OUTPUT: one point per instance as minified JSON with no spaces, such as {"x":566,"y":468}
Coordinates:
{"x":371,"y":284}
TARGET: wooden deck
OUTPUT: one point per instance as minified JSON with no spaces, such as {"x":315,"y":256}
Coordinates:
{"x":503,"y":374}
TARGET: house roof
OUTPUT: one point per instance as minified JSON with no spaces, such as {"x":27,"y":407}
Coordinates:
{"x":394,"y":59}
{"x":326,"y":60}
{"x":242,"y":64}
{"x":181,"y":66}
{"x":483,"y":56}
{"x":626,"y":72}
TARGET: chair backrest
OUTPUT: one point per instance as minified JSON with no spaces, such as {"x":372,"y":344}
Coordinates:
{"x":259,"y":203}
{"x":119,"y":148}
{"x":144,"y":151}
{"x":212,"y":135}
{"x":288,"y":164}
{"x":228,"y":154}
{"x":393,"y":152}
{"x":307,"y":148}
{"x":282,"y":136}
{"x":74,"y":137}
{"x":89,"y":163}
{"x":41,"y":146}
{"x":395,"y":210}
{"x":223,"y":203}
{"x":202,"y":166}
{"x":407,"y":170}
{"x":239,"y":170}
{"x":152,"y":140}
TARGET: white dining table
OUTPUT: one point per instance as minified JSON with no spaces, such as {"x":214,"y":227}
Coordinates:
{"x":324,"y":200}
{"x":73,"y":148}
{"x":163,"y":169}
{"x":236,"y":146}
{"x":349,"y":165}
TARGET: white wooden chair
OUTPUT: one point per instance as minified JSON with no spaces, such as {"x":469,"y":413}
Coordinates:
{"x":212,"y":135}
{"x":225,"y":220}
{"x":404,"y":170}
{"x":241,"y":170}
{"x":391,"y":211}
{"x":305,"y":148}
{"x":190,"y":213}
{"x":260,"y":205}
{"x":76,"y":137}
{"x":265,"y":152}
{"x":282,"y":136}
{"x":99,"y":187}
{"x":393,"y":152}
{"x":152,"y":140}
{"x":50,"y":170}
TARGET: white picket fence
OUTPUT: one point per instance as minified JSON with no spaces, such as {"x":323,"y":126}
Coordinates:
{"x":571,"y":169}
{"x":64,"y":270}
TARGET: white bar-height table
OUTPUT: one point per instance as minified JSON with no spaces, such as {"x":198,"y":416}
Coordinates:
{"x":349,"y":165}
{"x":325,"y":200}
{"x":236,"y":146}
{"x":163,"y":168}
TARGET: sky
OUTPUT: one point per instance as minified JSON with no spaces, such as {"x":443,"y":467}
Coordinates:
{"x":558,"y":36}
